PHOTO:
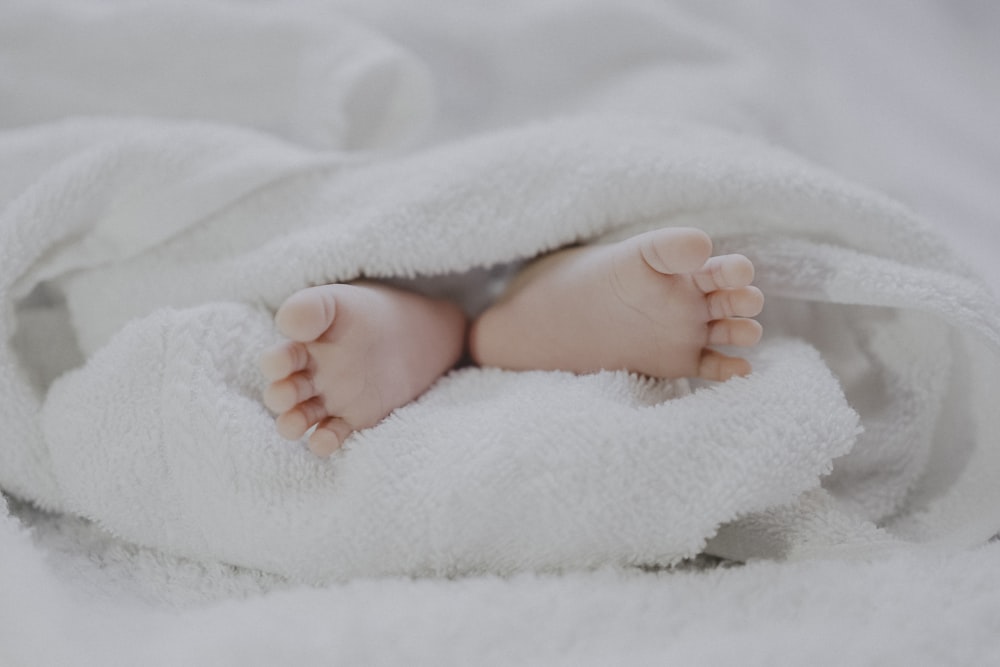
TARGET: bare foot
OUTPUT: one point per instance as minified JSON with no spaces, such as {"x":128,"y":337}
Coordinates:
{"x":652,"y":304}
{"x":356,"y":353}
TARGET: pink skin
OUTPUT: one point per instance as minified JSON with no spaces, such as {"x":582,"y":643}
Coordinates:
{"x":652,"y":304}
{"x":356,"y":353}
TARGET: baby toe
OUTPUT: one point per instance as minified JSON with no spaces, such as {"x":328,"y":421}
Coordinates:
{"x":293,"y":424}
{"x":282,"y":360}
{"x":741,"y":302}
{"x":739,"y":332}
{"x":674,"y":250}
{"x":285,"y":394}
{"x":724,"y":272}
{"x":719,"y":367}
{"x":747,"y":301}
{"x":329,"y":436}
{"x":307,"y":314}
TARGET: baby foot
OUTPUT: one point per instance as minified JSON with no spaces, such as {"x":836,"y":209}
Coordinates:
{"x":356,"y":353}
{"x":652,"y":304}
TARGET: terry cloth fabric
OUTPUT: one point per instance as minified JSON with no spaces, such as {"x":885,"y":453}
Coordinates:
{"x":151,"y":251}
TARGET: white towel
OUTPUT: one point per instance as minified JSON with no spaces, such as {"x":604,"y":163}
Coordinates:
{"x":160,"y":246}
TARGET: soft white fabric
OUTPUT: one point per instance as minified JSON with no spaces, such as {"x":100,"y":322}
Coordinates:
{"x":140,"y":258}
{"x":904,"y":608}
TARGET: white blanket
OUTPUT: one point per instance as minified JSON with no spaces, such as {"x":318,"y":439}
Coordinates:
{"x":157,"y":208}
